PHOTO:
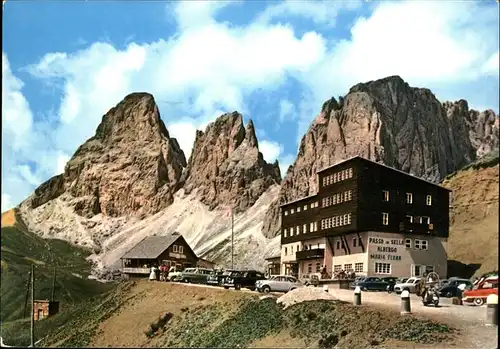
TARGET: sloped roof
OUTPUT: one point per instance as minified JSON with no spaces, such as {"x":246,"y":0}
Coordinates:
{"x":151,"y":246}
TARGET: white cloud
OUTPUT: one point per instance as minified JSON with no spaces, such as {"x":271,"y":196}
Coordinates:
{"x":285,"y":162}
{"x":208,"y":68}
{"x":6,"y":202}
{"x":320,"y":12}
{"x":287,"y":110}
{"x":62,"y":159}
{"x":185,"y":133}
{"x":427,"y":43}
{"x":196,"y":14}
{"x":492,"y":65}
{"x":16,"y":114}
{"x":274,"y":151}
{"x":270,"y":150}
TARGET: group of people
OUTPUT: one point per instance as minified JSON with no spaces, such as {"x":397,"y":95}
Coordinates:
{"x":159,"y":273}
{"x":349,"y":274}
{"x":343,"y":274}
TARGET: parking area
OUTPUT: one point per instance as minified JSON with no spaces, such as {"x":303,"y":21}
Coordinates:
{"x":446,"y":309}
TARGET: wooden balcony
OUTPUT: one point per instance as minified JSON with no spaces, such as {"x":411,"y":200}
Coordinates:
{"x":314,"y":253}
{"x":136,"y":270}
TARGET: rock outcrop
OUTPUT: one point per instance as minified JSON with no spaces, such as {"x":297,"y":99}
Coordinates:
{"x":131,"y":166}
{"x":390,"y":122}
{"x":226,"y":167}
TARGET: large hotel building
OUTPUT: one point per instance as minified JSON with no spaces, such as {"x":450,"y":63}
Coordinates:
{"x":367,"y":218}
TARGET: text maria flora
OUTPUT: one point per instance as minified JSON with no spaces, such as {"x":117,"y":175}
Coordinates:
{"x":386,"y":249}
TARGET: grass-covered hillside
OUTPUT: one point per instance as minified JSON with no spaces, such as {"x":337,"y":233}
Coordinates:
{"x":158,"y":315}
{"x":21,"y":249}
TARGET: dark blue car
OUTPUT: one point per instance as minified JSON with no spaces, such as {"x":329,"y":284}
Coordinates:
{"x":371,"y":284}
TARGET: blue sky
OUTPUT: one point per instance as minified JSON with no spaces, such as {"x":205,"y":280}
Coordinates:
{"x":65,"y":64}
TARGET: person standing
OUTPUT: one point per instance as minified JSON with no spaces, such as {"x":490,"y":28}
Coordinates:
{"x":152,"y":274}
{"x":157,"y":274}
{"x":460,"y":291}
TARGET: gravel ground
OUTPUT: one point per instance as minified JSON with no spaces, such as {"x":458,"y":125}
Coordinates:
{"x":304,"y":294}
{"x":469,"y":319}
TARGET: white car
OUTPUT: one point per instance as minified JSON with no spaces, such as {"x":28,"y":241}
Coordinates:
{"x":174,"y":275}
{"x":278,"y":283}
{"x":410,"y":285}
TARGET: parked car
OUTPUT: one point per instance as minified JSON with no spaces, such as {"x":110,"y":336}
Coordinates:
{"x":310,"y":279}
{"x":482,"y":289}
{"x":357,"y":279}
{"x":391,"y":281}
{"x":411,"y":285}
{"x":450,"y":288}
{"x":215,"y":278}
{"x":371,"y":284}
{"x":246,"y":279}
{"x":278,"y":283}
{"x":195,"y":275}
{"x":174,"y":273}
{"x":390,"y":287}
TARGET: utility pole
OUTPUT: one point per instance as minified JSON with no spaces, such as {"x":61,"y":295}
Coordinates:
{"x":232,"y":239}
{"x":27,"y":294}
{"x":32,"y":306}
{"x":53,"y":285}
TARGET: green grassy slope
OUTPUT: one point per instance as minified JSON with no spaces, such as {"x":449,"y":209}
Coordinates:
{"x":21,"y":249}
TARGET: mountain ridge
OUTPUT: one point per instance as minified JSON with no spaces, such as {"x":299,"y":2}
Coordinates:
{"x":391,"y":122}
{"x":126,"y":176}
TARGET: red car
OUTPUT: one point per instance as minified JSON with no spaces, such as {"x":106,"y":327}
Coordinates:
{"x":482,"y":289}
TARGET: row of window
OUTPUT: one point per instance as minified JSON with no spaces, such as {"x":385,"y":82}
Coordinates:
{"x":313,"y":226}
{"x":409,"y":198}
{"x":297,"y":248}
{"x":416,"y":270}
{"x":383,"y":268}
{"x":417,"y":244}
{"x":310,"y":268}
{"x":292,"y":210}
{"x":336,"y":221}
{"x":337,"y":198}
{"x":410,"y":219}
{"x":177,"y":249}
{"x":337,"y":177}
{"x":421,"y":220}
{"x":419,"y":270}
{"x":358,"y":268}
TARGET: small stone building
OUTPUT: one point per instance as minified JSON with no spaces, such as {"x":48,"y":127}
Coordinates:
{"x":44,"y":308}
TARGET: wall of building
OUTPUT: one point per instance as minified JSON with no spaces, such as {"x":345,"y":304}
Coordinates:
{"x":348,"y":244}
{"x":390,"y":248}
{"x":40,"y":310}
{"x":304,"y":266}
{"x":375,"y":179}
{"x":183,"y":258}
{"x":343,"y":263}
